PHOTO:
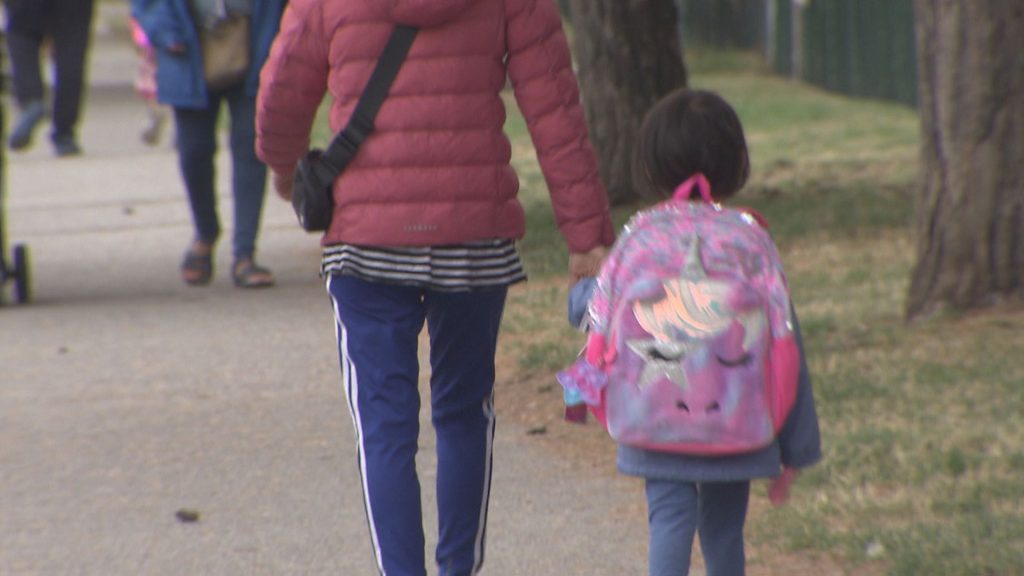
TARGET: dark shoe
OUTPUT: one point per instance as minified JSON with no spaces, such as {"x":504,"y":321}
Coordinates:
{"x":64,"y":145}
{"x":247,"y":274}
{"x":31,"y":115}
{"x":197,"y":267}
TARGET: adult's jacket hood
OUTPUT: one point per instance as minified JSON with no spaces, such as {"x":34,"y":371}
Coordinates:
{"x":419,"y":13}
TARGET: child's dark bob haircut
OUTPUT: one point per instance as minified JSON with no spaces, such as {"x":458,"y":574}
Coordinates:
{"x":689,"y":132}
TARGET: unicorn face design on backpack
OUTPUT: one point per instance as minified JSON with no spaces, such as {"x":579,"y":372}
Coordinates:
{"x":697,"y":350}
{"x":693,"y":309}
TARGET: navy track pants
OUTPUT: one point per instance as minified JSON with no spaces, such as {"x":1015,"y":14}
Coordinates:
{"x":378,"y":328}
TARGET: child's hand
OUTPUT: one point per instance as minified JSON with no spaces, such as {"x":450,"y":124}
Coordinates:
{"x":778,"y":490}
{"x":586,"y":264}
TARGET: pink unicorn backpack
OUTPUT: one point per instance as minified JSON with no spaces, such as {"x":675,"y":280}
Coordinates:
{"x":691,"y":347}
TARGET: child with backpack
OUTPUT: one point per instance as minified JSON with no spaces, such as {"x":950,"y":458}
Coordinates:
{"x":694,"y":360}
{"x":145,"y":84}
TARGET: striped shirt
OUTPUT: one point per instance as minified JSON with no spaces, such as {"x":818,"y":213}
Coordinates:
{"x":481,"y":264}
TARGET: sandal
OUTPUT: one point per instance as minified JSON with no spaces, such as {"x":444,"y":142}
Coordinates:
{"x":197,"y":268}
{"x":247,"y":274}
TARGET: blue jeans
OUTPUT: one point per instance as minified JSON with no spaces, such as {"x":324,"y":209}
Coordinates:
{"x":378,"y":327}
{"x":197,"y":146}
{"x":676,"y":510}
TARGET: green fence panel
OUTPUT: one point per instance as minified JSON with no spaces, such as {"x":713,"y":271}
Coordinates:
{"x":887,"y":28}
{"x":783,"y":47}
{"x":863,"y":48}
{"x":563,"y":7}
{"x":860,"y":47}
{"x":723,"y":23}
{"x":869,"y":32}
{"x":815,"y":48}
{"x":904,"y":50}
{"x":835,"y":66}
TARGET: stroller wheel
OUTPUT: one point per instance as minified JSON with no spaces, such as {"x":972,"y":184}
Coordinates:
{"x":22,"y":290}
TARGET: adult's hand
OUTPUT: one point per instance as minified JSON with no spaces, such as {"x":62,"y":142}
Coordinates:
{"x":582,"y":265}
{"x":283,"y":184}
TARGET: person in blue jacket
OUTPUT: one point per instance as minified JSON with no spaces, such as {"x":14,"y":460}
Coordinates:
{"x":171,"y":26}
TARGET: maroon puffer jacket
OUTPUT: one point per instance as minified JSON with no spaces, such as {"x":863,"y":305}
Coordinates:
{"x":436,"y":170}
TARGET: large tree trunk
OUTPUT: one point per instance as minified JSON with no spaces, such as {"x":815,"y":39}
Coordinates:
{"x":629,"y":55}
{"x":970,"y":207}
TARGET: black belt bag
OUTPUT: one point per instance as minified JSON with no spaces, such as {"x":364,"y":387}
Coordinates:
{"x":313,"y":185}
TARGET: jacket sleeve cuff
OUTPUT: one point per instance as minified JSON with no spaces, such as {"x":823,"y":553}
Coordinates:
{"x":586,"y":235}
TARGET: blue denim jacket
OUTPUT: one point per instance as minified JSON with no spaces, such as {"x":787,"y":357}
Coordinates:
{"x":179,"y":76}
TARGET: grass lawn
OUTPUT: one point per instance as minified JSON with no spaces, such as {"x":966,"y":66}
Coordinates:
{"x":923,"y":424}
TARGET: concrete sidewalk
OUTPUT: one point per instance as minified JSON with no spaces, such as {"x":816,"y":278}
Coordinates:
{"x":126,"y":396}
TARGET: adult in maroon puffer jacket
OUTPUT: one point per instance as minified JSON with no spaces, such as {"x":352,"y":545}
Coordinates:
{"x":424,"y":229}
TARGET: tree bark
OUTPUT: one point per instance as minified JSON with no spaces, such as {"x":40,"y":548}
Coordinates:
{"x":970,"y":204}
{"x":628,"y":55}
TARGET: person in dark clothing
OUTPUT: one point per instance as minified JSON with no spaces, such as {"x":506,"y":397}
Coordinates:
{"x":67,"y":23}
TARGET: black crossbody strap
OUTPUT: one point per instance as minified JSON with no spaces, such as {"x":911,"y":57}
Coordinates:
{"x":346,"y":143}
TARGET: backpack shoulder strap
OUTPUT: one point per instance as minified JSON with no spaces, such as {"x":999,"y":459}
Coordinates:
{"x":685,"y":190}
{"x":699,"y":181}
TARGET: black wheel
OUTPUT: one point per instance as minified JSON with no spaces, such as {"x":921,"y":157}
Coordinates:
{"x":22,"y":288}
